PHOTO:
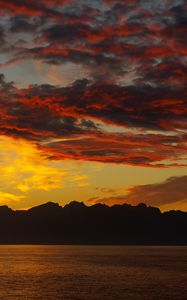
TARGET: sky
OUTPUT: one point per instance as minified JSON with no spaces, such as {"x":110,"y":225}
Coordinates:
{"x":93,"y":102}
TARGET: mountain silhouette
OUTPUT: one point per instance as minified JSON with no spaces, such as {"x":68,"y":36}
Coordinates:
{"x":76,"y":223}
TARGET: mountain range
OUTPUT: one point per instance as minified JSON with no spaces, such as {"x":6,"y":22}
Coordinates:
{"x":76,"y":223}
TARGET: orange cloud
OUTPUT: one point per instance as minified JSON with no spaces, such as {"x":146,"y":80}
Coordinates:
{"x":169,"y":192}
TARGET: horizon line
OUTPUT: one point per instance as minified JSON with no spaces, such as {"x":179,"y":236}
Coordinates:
{"x":87,"y":206}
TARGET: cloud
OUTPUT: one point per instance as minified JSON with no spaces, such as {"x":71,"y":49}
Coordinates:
{"x":65,"y":122}
{"x":117,"y":148}
{"x":132,"y":57}
{"x":117,"y":36}
{"x":171,"y":191}
{"x":144,"y":106}
{"x":25,"y":168}
{"x":9,"y":197}
{"x":21,"y":23}
{"x":31,"y":8}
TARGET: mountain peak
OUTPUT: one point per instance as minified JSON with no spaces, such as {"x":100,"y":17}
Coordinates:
{"x":75,"y":205}
{"x":49,"y":206}
{"x":5,"y":209}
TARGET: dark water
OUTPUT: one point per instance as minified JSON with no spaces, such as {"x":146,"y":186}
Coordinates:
{"x":93,"y":272}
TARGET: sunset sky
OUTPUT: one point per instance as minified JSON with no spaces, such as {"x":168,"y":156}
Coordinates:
{"x":93,"y":102}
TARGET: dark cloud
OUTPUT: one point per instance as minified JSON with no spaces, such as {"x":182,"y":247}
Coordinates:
{"x":2,"y":35}
{"x":143,"y":106}
{"x":134,"y":54}
{"x":171,"y":191}
{"x":31,"y":8}
{"x":73,"y":115}
{"x":108,"y":39}
{"x":20,"y":23}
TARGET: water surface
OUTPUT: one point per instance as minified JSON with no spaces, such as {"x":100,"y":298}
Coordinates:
{"x":93,"y":273}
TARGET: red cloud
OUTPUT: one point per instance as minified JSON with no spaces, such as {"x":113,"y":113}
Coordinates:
{"x":46,"y":113}
{"x":31,"y":8}
{"x":136,"y":61}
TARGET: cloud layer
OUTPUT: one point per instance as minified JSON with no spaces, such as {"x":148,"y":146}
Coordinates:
{"x":169,"y":192}
{"x":129,"y":103}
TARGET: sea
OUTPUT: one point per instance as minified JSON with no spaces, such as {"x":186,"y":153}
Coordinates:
{"x":93,"y":272}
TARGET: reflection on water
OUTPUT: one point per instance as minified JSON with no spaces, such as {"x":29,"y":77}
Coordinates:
{"x":93,"y":272}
